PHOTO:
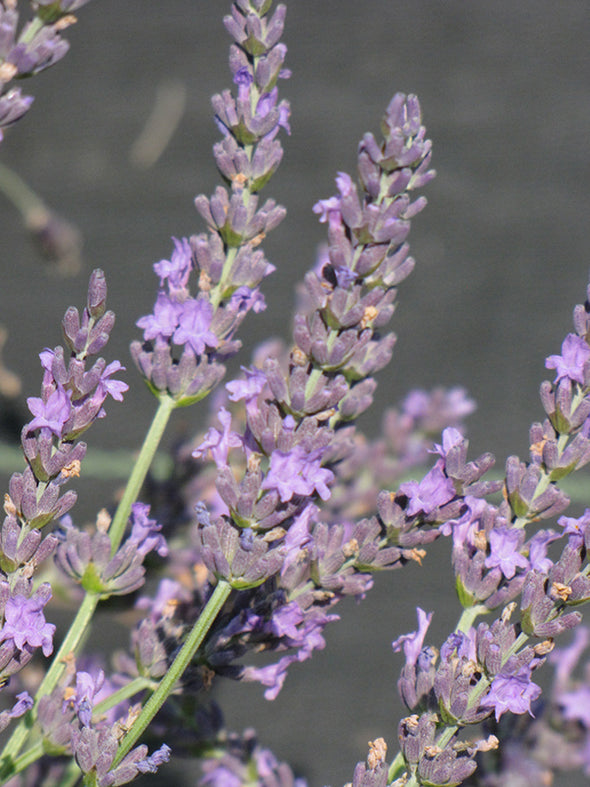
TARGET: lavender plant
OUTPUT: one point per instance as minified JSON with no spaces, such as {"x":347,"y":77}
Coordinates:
{"x":282,"y":507}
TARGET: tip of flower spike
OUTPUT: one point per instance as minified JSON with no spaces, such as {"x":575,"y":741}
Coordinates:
{"x":97,"y":293}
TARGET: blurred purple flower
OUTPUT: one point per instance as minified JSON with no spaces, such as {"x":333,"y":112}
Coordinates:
{"x":570,"y":364}
{"x":575,"y":705}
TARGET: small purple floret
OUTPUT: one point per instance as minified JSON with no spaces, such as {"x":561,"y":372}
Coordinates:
{"x":297,"y":473}
{"x":570,"y":364}
{"x":433,"y":491}
{"x":194,"y":322}
{"x":505,"y":555}
{"x":512,"y":692}
{"x":51,"y":414}
{"x":25,"y":624}
{"x":412,"y":643}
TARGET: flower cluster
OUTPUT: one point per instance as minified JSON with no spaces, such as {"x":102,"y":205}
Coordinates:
{"x":72,"y":398}
{"x":283,"y":508}
{"x":187,"y":337}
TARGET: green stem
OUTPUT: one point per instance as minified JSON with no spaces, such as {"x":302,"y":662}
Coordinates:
{"x":468,"y":617}
{"x":180,"y":663}
{"x":35,"y":26}
{"x":19,"y":193}
{"x":26,"y":759}
{"x":126,"y":691}
{"x":140,"y":470}
{"x":396,"y":767}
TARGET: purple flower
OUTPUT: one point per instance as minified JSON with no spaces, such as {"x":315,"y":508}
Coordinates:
{"x":152,"y":763}
{"x":177,"y":269}
{"x":465,"y":646}
{"x":51,"y":414}
{"x":570,"y":364}
{"x":576,"y":528}
{"x":329,"y":211}
{"x":307,"y":638}
{"x":451,"y":437}
{"x":412,"y":643}
{"x":297,"y":473}
{"x":434,"y":490}
{"x":298,"y":536}
{"x":164,"y":320}
{"x":116,"y":388}
{"x":344,"y":276}
{"x":538,"y":550}
{"x":243,"y":79}
{"x":249,"y":388}
{"x":575,"y":705}
{"x":219,"y":443}
{"x":464,"y":529}
{"x":504,"y":551}
{"x":566,"y":659}
{"x":266,"y":103}
{"x":23,"y":704}
{"x":194,"y":322}
{"x":24,"y":623}
{"x":145,"y":532}
{"x":244,"y":299}
{"x":82,"y":700}
{"x":512,"y":692}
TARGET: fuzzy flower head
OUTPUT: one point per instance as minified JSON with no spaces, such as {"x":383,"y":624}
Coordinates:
{"x":570,"y":364}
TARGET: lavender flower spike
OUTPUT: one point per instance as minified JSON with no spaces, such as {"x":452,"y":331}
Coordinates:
{"x":191,"y":333}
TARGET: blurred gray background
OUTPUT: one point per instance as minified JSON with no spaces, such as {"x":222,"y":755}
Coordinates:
{"x":502,"y":250}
